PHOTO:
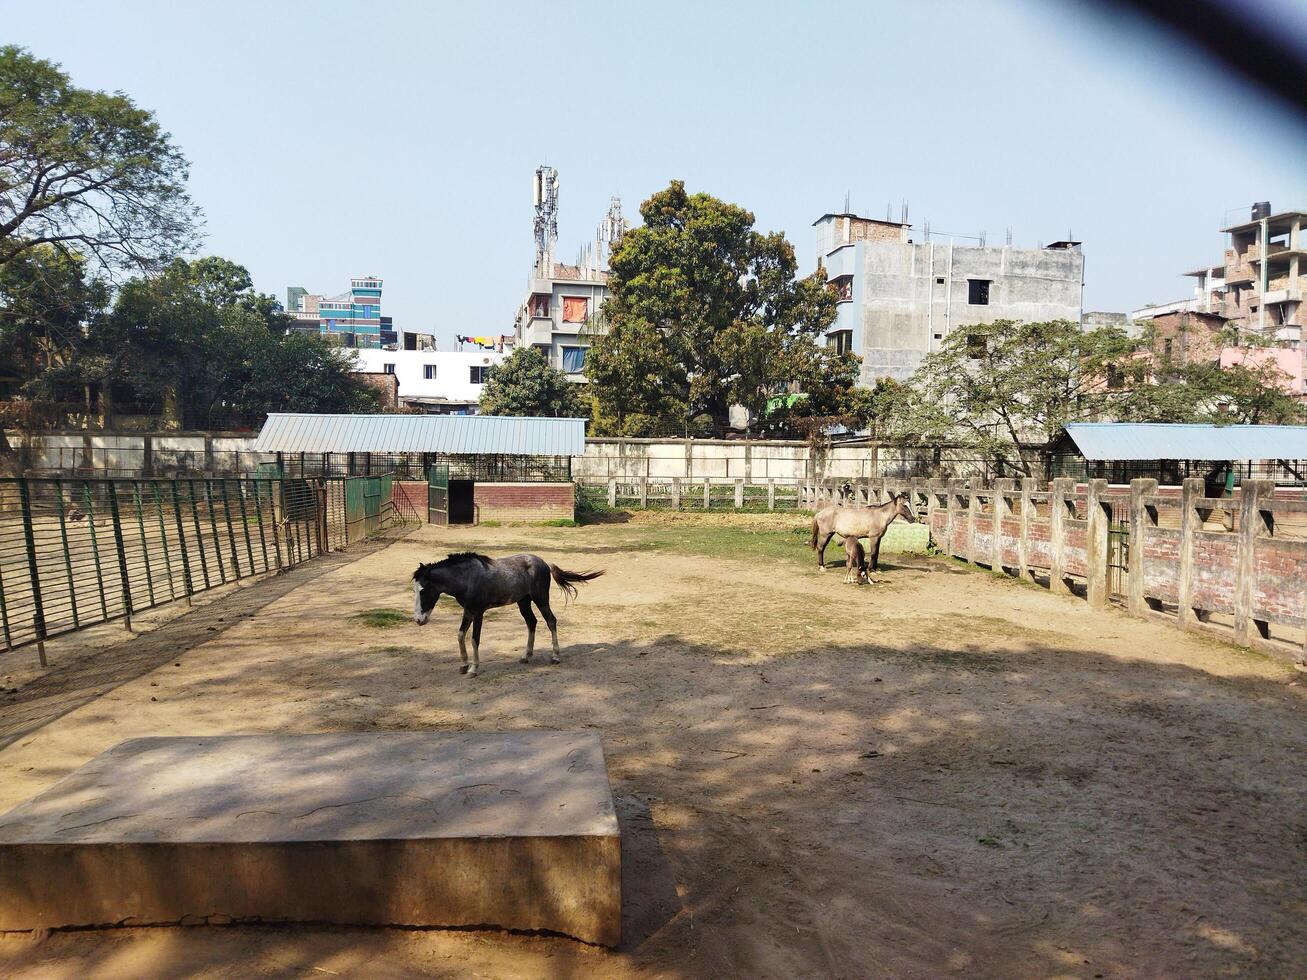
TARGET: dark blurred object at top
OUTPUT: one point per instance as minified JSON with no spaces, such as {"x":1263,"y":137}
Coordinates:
{"x":1251,"y":37}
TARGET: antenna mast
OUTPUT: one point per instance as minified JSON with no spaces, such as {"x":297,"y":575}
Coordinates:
{"x":546,"y":218}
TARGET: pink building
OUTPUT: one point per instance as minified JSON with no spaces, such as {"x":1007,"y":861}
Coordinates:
{"x":1288,"y":361}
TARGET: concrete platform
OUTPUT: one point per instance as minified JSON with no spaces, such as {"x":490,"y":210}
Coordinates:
{"x":513,"y":830}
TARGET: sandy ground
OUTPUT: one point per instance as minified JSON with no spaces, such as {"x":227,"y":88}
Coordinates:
{"x":945,"y":774}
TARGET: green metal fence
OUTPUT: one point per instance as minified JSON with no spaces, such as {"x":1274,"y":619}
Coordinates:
{"x":77,"y":552}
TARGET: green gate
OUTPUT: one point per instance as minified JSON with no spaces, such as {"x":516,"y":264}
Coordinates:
{"x":438,"y":494}
{"x":365,"y":498}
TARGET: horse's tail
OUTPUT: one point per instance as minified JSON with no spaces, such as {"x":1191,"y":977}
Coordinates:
{"x":812,"y":543}
{"x":566,"y":580}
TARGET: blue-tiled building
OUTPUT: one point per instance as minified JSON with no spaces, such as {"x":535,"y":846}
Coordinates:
{"x":353,"y":317}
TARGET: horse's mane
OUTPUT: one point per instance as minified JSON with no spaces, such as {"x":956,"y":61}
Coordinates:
{"x":463,"y":557}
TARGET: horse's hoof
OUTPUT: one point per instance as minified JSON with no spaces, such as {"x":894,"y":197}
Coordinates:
{"x":463,"y":669}
{"x":555,"y":660}
{"x":525,"y":660}
{"x":471,"y":673}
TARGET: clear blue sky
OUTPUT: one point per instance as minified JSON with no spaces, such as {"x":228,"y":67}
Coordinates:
{"x":332,"y":139}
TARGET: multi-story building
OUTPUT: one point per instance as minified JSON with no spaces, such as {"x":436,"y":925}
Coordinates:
{"x":436,"y":382}
{"x":561,"y":312}
{"x":352,"y":318}
{"x":1258,"y":287}
{"x":899,"y":298}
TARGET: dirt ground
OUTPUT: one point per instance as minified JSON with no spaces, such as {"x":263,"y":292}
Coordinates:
{"x":946,"y":773}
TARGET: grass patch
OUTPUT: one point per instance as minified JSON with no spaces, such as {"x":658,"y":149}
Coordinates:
{"x":557,"y":522}
{"x":382,"y":619}
{"x":490,"y":524}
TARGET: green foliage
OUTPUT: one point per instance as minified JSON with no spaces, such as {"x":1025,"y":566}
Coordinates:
{"x":85,"y":172}
{"x":198,"y":339}
{"x":45,"y":297}
{"x":705,"y":312}
{"x":525,"y":385}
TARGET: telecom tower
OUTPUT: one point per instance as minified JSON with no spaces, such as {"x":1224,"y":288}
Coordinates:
{"x":546,"y":220}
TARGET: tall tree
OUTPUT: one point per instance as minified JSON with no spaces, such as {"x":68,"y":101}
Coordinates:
{"x":1010,"y":384}
{"x":703,"y":312}
{"x":86,"y":172}
{"x":524,"y":384}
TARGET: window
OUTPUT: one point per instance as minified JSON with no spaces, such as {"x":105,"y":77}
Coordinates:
{"x":841,"y":340}
{"x":388,"y":368}
{"x":575,"y":309}
{"x":538,"y":305}
{"x":429,"y":372}
{"x":478,"y":374}
{"x":1166,"y":348}
{"x":843,"y":286}
{"x":978,"y":292}
{"x":1115,"y":379}
{"x":975,"y":346}
{"x":939,"y":280}
{"x":573,"y":360}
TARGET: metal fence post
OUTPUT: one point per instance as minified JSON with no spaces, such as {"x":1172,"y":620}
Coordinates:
{"x":34,"y":578}
{"x":199,"y":533}
{"x":87,"y":499}
{"x":145,"y":548}
{"x":163,"y":536}
{"x":122,"y":553}
{"x":181,"y":538}
{"x":68,"y":558}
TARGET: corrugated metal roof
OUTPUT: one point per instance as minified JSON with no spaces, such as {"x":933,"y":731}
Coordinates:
{"x":292,"y":432}
{"x":1130,"y":440}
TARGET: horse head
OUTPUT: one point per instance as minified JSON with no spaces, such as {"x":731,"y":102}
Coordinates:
{"x":904,"y":508}
{"x":425,"y":594}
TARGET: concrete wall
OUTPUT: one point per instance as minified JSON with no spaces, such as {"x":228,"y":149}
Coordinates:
{"x":1231,"y":567}
{"x":909,"y":297}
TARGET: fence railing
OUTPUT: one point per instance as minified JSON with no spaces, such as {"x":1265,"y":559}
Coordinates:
{"x":79,"y":552}
{"x":1232,"y":566}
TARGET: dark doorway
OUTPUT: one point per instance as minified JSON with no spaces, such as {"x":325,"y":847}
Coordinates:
{"x":461,"y":509}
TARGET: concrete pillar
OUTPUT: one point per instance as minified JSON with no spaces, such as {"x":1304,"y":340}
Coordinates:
{"x":931,"y":504}
{"x":1096,"y":542}
{"x":707,"y":485}
{"x":1063,"y":490}
{"x":739,"y":494}
{"x":612,"y":491}
{"x":644,"y":492}
{"x":1029,"y":485}
{"x":973,"y":508}
{"x":1190,"y":521}
{"x":748,"y":462}
{"x":1252,"y":525}
{"x":771,"y":494}
{"x":953,"y":496}
{"x":1002,"y":507}
{"x":1142,"y":518}
{"x":208,"y":453}
{"x":676,"y":493}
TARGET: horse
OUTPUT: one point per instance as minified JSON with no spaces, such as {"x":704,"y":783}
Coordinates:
{"x":478,"y":583}
{"x":855,"y":558}
{"x":858,"y":522}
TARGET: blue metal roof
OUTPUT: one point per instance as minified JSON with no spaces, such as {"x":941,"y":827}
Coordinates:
{"x":291,"y":432}
{"x":1131,"y":440}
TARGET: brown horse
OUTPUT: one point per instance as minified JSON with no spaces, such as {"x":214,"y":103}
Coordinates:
{"x":855,"y":559}
{"x":858,"y":522}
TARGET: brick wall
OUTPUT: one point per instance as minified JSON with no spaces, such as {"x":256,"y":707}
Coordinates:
{"x":524,"y":501}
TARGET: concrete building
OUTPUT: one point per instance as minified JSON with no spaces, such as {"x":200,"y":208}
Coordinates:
{"x":435,"y":382}
{"x":1259,"y":285}
{"x":900,"y":297}
{"x":352,"y":318}
{"x":561,"y":312}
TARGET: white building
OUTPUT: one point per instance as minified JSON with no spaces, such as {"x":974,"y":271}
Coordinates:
{"x":439,"y":382}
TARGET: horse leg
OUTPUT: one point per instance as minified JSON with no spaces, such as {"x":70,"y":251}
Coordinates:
{"x":524,"y":606}
{"x":875,"y":556}
{"x":462,"y":639}
{"x":821,"y":550}
{"x":476,"y":643}
{"x":552,"y":622}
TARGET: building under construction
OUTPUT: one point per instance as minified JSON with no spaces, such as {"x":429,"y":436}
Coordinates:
{"x":561,"y":310}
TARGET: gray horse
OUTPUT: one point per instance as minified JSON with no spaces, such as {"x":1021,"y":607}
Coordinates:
{"x":478,"y":583}
{"x":858,"y":522}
